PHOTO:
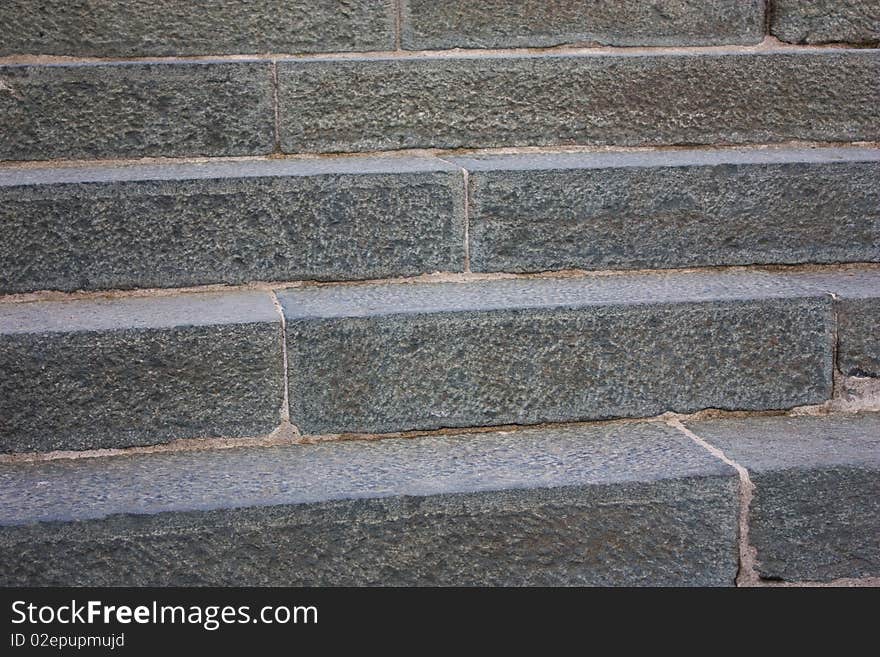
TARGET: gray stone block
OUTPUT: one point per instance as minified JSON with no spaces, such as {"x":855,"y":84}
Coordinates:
{"x":673,"y":209}
{"x":385,"y":358}
{"x":633,"y":504}
{"x":428,"y":24}
{"x":234,"y":222}
{"x":128,"y":28}
{"x":826,"y":21}
{"x":857,"y":302}
{"x":816,"y":511}
{"x":492,"y":100}
{"x":173,"y":108}
{"x":120,"y":372}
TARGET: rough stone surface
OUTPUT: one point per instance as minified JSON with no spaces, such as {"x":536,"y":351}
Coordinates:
{"x":138,"y":371}
{"x":384,"y":358}
{"x":614,"y":504}
{"x":857,"y":301}
{"x":180,"y":225}
{"x":493,"y":100}
{"x":87,"y":111}
{"x":816,"y":511}
{"x":529,"y":23}
{"x":826,"y":21}
{"x":181,"y":27}
{"x":673,"y":209}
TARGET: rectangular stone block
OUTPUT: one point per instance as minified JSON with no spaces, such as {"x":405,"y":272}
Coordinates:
{"x":826,"y":21}
{"x":136,"y":109}
{"x":857,"y":304}
{"x":91,"y":374}
{"x":673,"y":209}
{"x":532,"y":24}
{"x":386,"y":358}
{"x":232,"y":222}
{"x":634,"y":504}
{"x":127,"y":28}
{"x":815,"y":515}
{"x":629,"y":99}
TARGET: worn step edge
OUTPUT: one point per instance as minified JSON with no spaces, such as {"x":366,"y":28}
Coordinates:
{"x":575,"y":505}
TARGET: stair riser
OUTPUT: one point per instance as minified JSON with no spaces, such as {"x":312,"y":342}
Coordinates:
{"x":656,"y":216}
{"x":623,"y":100}
{"x":125,"y":28}
{"x":88,"y":111}
{"x":463,"y":24}
{"x":396,"y":373}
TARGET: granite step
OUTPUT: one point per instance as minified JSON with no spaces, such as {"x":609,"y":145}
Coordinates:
{"x":183,"y":224}
{"x":616,"y":504}
{"x":815,"y":514}
{"x":178,"y":224}
{"x":103,"y":373}
{"x":384,"y":358}
{"x":209,"y":107}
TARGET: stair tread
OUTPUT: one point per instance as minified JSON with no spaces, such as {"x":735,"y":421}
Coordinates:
{"x":244,"y":477}
{"x":187,"y":309}
{"x":505,"y":294}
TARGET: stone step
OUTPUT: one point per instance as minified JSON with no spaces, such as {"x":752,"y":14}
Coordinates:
{"x":178,"y":225}
{"x":129,"y":28}
{"x":587,"y":98}
{"x":634,"y":504}
{"x":349,"y":218}
{"x":395,"y":357}
{"x":681,"y":208}
{"x":826,"y":21}
{"x":92,"y":374}
{"x":527,"y":23}
{"x":173,"y":108}
{"x":380,"y":358}
{"x":815,"y":515}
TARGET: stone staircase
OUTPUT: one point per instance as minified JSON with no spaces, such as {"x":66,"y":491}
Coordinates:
{"x":404,"y":292}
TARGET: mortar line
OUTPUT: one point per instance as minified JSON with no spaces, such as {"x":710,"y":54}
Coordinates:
{"x":440,"y":153}
{"x":747,"y":574}
{"x":285,"y":402}
{"x":465,"y":211}
{"x":769,"y":44}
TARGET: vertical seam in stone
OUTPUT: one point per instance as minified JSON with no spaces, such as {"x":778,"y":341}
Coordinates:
{"x":285,"y":379}
{"x":274,"y":69}
{"x":467,"y":221}
{"x":398,"y":24}
{"x":747,"y":574}
{"x":837,"y":377}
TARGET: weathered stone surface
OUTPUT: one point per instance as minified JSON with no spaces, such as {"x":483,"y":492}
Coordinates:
{"x":673,"y":209}
{"x":115,"y":373}
{"x":857,"y":301}
{"x":816,"y":511}
{"x":384,"y":358}
{"x":617,"y":504}
{"x":429,"y":24}
{"x":826,"y":21}
{"x":87,"y":111}
{"x":129,"y":28}
{"x":179,"y":225}
{"x":596,"y":98}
